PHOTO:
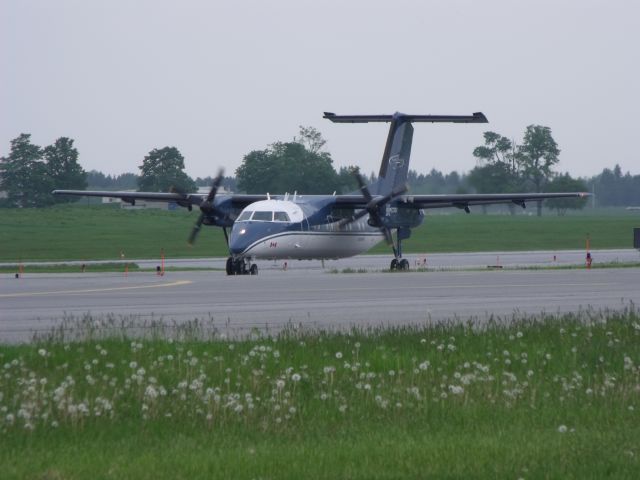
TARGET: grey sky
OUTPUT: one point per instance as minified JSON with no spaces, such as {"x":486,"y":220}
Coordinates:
{"x":219,"y":79}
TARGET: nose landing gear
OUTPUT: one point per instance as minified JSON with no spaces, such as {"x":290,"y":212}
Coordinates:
{"x":241,"y":266}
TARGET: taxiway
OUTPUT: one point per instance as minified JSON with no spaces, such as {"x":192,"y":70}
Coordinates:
{"x":305,"y":297}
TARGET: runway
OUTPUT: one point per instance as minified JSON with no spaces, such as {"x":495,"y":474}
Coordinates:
{"x":309,"y":298}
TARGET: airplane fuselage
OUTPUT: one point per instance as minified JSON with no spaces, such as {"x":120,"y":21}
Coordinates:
{"x":284,"y":229}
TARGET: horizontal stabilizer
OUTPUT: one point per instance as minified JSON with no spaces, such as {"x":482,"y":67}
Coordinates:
{"x":477,"y":117}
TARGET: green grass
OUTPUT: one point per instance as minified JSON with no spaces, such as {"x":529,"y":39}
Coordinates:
{"x":103,"y":232}
{"x":532,"y":398}
{"x":70,"y":268}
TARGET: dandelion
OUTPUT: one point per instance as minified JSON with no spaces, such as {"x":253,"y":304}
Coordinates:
{"x":562,"y":429}
{"x":456,"y":389}
{"x":338,"y":355}
{"x":295,"y":377}
{"x":42,"y":352}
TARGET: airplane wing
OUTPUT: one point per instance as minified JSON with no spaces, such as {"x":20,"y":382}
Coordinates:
{"x":467,"y":200}
{"x":463,"y":201}
{"x":182,"y":199}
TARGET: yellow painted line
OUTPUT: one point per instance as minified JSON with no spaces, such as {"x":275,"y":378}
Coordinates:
{"x":96,"y":290}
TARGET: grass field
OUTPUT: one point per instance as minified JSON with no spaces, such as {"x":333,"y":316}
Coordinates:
{"x":554,"y":398}
{"x":103,"y":232}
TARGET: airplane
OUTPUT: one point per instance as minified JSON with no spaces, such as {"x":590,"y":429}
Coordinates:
{"x":306,"y":227}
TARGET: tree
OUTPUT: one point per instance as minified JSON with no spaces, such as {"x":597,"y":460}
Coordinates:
{"x":62,"y":166}
{"x":163,"y":170}
{"x":501,"y":170}
{"x":23,"y":175}
{"x":347,"y":180}
{"x":497,"y":149}
{"x":287,"y":167}
{"x":229,"y":183}
{"x":311,"y":138}
{"x":537,"y":154}
{"x":564,"y":183}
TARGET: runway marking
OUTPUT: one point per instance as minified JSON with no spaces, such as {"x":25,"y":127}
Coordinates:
{"x":96,"y":290}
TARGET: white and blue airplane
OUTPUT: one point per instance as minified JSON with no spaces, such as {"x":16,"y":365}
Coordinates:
{"x":305,"y":227}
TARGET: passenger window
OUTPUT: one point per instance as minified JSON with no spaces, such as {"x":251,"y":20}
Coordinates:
{"x":244,"y":216}
{"x":281,"y":217}
{"x":263,"y":216}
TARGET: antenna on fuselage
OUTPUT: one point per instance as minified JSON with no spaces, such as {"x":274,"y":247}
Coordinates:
{"x":268,"y":196}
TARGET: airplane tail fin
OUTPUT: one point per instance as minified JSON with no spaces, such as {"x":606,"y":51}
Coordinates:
{"x":395,"y":160}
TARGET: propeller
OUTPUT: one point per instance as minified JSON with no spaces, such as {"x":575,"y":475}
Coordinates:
{"x":206,"y":206}
{"x":373,"y":207}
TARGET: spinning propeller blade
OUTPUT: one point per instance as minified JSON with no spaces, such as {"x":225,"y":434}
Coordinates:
{"x":206,"y":207}
{"x":373,"y":208}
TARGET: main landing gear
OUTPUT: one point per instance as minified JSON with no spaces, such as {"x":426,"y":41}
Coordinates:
{"x":399,"y":263}
{"x":241,"y":266}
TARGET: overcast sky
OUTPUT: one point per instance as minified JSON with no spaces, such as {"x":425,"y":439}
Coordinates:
{"x":219,"y":79}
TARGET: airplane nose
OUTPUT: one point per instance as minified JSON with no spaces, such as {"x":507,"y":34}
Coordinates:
{"x":238,"y":240}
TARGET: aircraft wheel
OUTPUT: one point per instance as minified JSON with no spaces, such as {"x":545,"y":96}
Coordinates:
{"x":394,"y":264}
{"x":229,"y":266}
{"x":254,"y":269}
{"x":403,"y":264}
{"x":238,"y":267}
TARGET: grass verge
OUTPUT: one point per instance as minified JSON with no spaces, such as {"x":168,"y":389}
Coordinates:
{"x":103,"y":233}
{"x":528,"y":398}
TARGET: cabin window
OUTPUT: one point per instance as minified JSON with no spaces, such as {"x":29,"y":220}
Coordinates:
{"x":244,"y":216}
{"x":263,"y":216}
{"x":281,"y":217}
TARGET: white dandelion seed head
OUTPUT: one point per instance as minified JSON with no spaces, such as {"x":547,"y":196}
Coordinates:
{"x":562,"y":429}
{"x":295,"y":377}
{"x":338,"y":355}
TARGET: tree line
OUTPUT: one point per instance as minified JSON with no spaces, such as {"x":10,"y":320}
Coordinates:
{"x":29,"y":173}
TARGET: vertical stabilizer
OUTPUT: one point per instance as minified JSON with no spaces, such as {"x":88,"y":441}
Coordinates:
{"x":397,"y":152}
{"x":395,"y":160}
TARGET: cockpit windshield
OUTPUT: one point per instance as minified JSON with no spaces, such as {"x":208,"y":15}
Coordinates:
{"x":262,"y":216}
{"x":244,"y":216}
{"x":281,"y":217}
{"x":257,"y":216}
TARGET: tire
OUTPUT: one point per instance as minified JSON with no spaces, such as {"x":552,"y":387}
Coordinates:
{"x":403,"y":264}
{"x":254,"y":269}
{"x":394,"y":264}
{"x":238,"y":267}
{"x":229,"y":266}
